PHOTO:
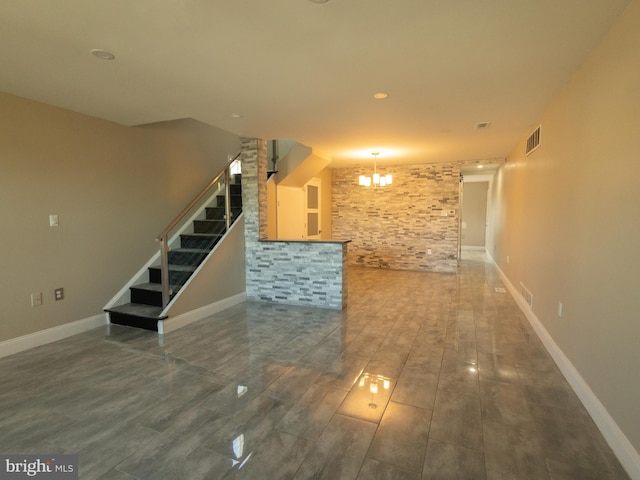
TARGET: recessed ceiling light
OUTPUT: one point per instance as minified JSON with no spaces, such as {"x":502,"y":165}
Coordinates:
{"x":102,"y":54}
{"x":482,"y":125}
{"x":236,"y":115}
{"x":380,"y":95}
{"x":318,"y":1}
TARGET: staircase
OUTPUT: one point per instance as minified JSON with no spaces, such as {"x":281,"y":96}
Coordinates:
{"x":146,"y":306}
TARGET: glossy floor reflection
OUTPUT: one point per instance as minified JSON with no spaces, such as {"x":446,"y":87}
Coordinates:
{"x":423,"y":376}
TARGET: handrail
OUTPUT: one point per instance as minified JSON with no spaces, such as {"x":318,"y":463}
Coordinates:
{"x":163,"y":237}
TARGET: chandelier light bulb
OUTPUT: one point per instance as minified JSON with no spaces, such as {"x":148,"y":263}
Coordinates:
{"x":376,"y":179}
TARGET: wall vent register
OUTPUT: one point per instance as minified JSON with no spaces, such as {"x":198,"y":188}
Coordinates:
{"x":533,"y":141}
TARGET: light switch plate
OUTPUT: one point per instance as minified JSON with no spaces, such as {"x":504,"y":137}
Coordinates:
{"x":36,"y":299}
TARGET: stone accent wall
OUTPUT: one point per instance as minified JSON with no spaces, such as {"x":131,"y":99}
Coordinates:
{"x":394,"y":227}
{"x":294,"y":273}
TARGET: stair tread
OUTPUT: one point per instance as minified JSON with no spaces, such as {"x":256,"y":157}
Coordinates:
{"x":155,"y":287}
{"x":201,"y":234}
{"x":190,"y":250}
{"x":176,"y":267}
{"x":138,"y":310}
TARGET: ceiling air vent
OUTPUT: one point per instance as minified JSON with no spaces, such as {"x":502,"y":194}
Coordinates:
{"x":533,"y":141}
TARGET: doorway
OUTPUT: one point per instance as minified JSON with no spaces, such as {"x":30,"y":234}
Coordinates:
{"x":474,"y":215}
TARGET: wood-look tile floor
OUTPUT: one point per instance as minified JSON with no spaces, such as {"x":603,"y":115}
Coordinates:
{"x":422,"y":376}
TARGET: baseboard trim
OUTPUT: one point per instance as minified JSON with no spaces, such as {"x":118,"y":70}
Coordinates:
{"x":473,"y":248}
{"x":623,"y":449}
{"x":179,"y":321}
{"x":53,"y":334}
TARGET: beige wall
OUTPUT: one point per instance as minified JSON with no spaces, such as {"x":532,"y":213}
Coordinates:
{"x":290,"y":213}
{"x":114,"y":189}
{"x":568,"y":218}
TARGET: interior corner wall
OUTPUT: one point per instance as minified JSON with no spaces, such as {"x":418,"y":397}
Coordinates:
{"x":395,"y":227}
{"x":566,"y":217}
{"x":114,"y":189}
{"x":272,"y":209}
{"x":291,"y":212}
{"x":325,"y":177}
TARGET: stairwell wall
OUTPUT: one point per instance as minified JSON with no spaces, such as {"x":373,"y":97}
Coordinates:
{"x":114,"y":189}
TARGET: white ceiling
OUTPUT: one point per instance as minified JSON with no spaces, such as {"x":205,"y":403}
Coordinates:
{"x":306,"y":71}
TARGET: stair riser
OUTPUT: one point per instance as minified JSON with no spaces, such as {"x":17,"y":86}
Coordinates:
{"x":236,"y":201}
{"x":132,"y":321}
{"x":146,"y":297}
{"x":192,"y":241}
{"x":186,"y":258}
{"x":175,"y":278}
{"x":209,"y":226}
{"x":217,"y":213}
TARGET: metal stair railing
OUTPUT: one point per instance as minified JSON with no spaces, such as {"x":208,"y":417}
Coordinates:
{"x":163,"y":238}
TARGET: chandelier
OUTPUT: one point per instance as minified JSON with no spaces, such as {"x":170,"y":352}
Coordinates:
{"x":377,"y":180}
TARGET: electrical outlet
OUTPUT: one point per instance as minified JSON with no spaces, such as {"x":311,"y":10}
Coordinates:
{"x":428,"y":251}
{"x":559,"y":309}
{"x":36,"y":299}
{"x":58,"y":293}
{"x":53,"y":221}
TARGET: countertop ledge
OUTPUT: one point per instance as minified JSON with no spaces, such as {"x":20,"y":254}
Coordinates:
{"x":305,"y":241}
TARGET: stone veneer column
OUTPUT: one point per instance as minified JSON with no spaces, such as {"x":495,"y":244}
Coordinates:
{"x":253,"y":155}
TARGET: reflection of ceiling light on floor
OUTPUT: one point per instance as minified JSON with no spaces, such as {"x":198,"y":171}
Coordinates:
{"x":238,"y":445}
{"x":374,"y":382}
{"x":238,"y":450}
{"x":242,"y":389}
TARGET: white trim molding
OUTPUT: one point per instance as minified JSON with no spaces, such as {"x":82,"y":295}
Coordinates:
{"x":623,"y":449}
{"x":49,"y":335}
{"x":179,"y":321}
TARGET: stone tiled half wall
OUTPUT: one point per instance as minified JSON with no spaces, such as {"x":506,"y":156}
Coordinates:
{"x":298,"y":273}
{"x":395,"y":227}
